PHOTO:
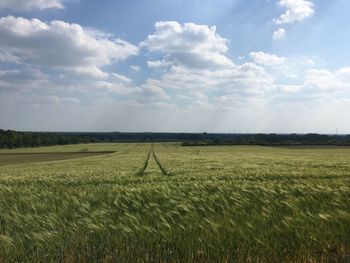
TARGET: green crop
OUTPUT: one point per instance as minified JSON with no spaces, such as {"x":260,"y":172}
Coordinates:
{"x":166,"y":203}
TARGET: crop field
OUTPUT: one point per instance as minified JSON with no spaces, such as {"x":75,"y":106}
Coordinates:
{"x":162,"y":202}
{"x":52,"y":153}
{"x":15,"y":158}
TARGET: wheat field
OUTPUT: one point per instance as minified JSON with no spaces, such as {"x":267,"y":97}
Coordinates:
{"x":162,"y":202}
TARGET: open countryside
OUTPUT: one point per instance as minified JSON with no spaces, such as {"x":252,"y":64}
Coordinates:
{"x":174,"y":131}
{"x":163,"y":202}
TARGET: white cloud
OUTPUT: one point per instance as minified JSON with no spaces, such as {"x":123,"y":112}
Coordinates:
{"x":290,"y":88}
{"x":28,"y":5}
{"x":191,"y":45}
{"x":194,"y":65}
{"x":121,"y":78}
{"x":328,"y":80}
{"x":279,"y":34}
{"x":25,"y":79}
{"x":197,"y":85}
{"x":158,"y":64}
{"x":135,"y":67}
{"x":297,"y":10}
{"x":321,"y":84}
{"x":199,"y":98}
{"x":39,"y":101}
{"x":267,"y":59}
{"x":61,"y":45}
{"x":43,"y":56}
{"x":112,"y":87}
{"x":145,"y":93}
{"x":8,"y":57}
{"x":148,"y":92}
{"x":239,"y":102}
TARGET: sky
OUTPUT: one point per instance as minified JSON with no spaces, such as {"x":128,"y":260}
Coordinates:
{"x":228,"y":66}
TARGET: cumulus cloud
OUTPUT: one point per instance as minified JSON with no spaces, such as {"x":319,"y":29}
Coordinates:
{"x":28,"y":5}
{"x":121,"y":78}
{"x":197,"y":86}
{"x":135,"y":67}
{"x":112,"y":87}
{"x":194,"y":65}
{"x":279,"y":34}
{"x":25,"y":79}
{"x":148,"y":92}
{"x":328,"y":80}
{"x":297,"y":10}
{"x":61,"y":45}
{"x":321,"y":84}
{"x":158,"y":64}
{"x":190,"y":45}
{"x":267,"y":59}
{"x":192,"y":75}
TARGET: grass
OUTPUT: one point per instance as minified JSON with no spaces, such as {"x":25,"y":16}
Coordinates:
{"x":220,"y":204}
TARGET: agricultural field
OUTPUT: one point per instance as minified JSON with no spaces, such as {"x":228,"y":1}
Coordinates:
{"x":162,"y":202}
{"x":52,"y":153}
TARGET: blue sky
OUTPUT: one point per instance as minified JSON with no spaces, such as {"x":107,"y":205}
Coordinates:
{"x":185,"y":66}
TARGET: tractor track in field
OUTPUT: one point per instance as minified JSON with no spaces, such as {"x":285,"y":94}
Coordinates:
{"x":160,"y":166}
{"x":131,"y":148}
{"x":195,"y":152}
{"x":145,"y":164}
{"x":151,"y":154}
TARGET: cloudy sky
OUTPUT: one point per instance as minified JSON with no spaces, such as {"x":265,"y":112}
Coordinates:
{"x":175,"y":65}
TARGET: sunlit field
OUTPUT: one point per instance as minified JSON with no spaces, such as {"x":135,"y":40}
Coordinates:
{"x":162,"y":202}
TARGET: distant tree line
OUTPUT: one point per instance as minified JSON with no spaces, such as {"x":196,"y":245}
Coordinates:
{"x":271,"y":139}
{"x":16,"y":139}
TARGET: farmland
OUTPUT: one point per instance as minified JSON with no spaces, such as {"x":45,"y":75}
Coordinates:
{"x":162,"y":202}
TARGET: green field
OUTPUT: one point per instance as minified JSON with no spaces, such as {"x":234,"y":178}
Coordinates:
{"x":16,"y":158}
{"x":167,"y":203}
